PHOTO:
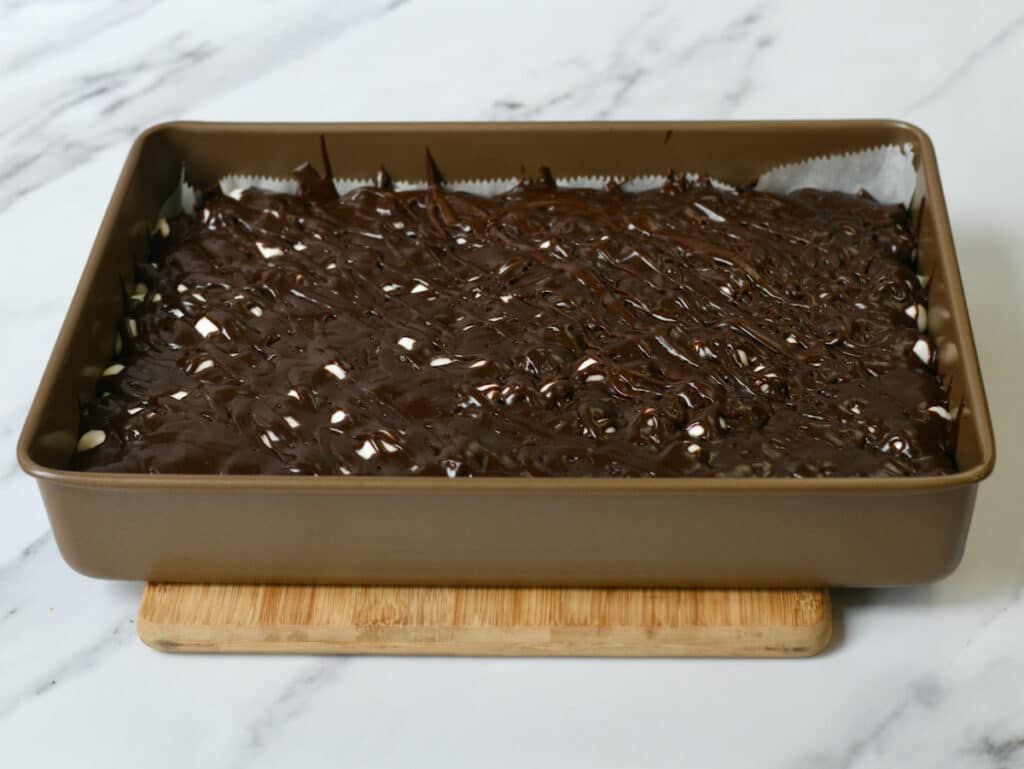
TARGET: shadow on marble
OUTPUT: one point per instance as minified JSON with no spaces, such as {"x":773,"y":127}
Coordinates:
{"x":122,"y":590}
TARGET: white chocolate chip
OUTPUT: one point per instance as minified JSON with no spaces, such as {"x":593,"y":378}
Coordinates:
{"x":336,"y":370}
{"x":181,"y":394}
{"x":300,"y":246}
{"x":163,"y":228}
{"x":389,"y":447}
{"x":742,"y":355}
{"x":199,"y":296}
{"x":546,"y":244}
{"x":294,"y":394}
{"x":419,"y":288}
{"x":398,"y":225}
{"x":367,"y":450}
{"x":693,"y":448}
{"x":390,"y":287}
{"x":203,"y":366}
{"x":440,"y":360}
{"x":585,"y":364}
{"x":695,"y":430}
{"x":941,"y":411}
{"x":920,"y":313}
{"x":256,"y":311}
{"x":595,"y":378}
{"x":133,"y":411}
{"x":91,"y":440}
{"x":478,"y":364}
{"x":157,"y":297}
{"x":339,"y":416}
{"x":292,"y":422}
{"x":236,"y":194}
{"x":407,"y":342}
{"x":709,"y":213}
{"x":113,"y":369}
{"x":205,"y":326}
{"x":923,"y":350}
{"x":182,"y":288}
{"x":268,"y":252}
{"x":266,"y":440}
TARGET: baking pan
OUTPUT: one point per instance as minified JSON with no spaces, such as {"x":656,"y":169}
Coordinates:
{"x":513,"y":531}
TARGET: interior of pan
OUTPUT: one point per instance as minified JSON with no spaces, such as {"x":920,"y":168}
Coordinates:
{"x":733,"y":152}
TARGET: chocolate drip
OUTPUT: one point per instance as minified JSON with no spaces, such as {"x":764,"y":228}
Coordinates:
{"x":546,"y":331}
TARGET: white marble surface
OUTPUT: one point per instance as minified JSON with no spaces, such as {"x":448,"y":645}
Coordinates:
{"x":924,"y":677}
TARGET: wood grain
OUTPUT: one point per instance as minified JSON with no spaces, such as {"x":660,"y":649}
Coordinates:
{"x":485,"y":621}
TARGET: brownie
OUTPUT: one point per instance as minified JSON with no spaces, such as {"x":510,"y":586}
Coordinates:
{"x":691,"y":330}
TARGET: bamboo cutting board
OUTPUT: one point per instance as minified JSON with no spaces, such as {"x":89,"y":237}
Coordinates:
{"x":485,"y":621}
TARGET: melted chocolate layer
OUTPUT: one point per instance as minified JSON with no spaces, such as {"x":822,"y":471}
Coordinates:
{"x":686,"y":331}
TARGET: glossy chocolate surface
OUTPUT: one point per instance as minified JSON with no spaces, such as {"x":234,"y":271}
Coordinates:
{"x":686,"y":331}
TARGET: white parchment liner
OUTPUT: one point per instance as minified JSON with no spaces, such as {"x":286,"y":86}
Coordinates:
{"x":886,"y":173}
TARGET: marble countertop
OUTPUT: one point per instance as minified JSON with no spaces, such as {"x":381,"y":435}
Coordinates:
{"x":923,"y":677}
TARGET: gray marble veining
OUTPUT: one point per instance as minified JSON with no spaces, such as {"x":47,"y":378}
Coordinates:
{"x":922,"y":677}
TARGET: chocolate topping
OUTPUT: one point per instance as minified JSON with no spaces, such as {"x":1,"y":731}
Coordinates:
{"x":686,"y":331}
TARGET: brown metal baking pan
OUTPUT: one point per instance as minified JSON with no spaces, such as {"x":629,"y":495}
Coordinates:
{"x":487,"y":531}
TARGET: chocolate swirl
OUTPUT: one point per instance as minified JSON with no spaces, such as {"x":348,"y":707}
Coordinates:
{"x":685,"y":331}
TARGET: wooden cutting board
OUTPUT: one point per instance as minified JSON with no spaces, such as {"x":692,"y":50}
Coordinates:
{"x":485,"y":621}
